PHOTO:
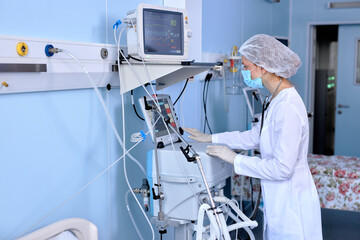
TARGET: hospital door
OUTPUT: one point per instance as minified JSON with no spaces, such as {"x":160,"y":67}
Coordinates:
{"x":347,"y":121}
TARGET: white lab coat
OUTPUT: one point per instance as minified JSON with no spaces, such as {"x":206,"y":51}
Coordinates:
{"x":291,"y":202}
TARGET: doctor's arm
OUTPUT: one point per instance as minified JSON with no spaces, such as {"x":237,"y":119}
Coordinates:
{"x":239,"y":140}
{"x":287,"y":139}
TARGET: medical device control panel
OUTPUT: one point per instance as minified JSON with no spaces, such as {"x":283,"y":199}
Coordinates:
{"x":153,"y":118}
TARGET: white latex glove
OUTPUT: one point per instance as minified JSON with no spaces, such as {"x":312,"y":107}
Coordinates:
{"x":222,"y":152}
{"x":197,"y":135}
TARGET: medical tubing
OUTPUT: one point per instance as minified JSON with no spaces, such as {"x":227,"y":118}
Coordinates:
{"x":109,"y":167}
{"x":232,"y":205}
{"x":118,"y":55}
{"x":182,"y":169}
{"x":155,"y":101}
{"x":243,"y":216}
{"x":115,"y":131}
{"x":172,"y":143}
{"x":246,"y":228}
{"x":199,"y":227}
{"x":142,"y":84}
{"x":77,"y":193}
{"x":149,"y":79}
{"x":254,"y":212}
{"x":132,"y":68}
{"x":156,"y":104}
{"x":104,"y":107}
{"x":198,"y":161}
{"x":108,"y":163}
{"x":226,"y":234}
{"x":179,"y":162}
{"x":131,"y":216}
{"x":119,"y":69}
{"x":177,"y":157}
{"x":125,"y":173}
{"x":136,"y":76}
{"x":247,"y":222}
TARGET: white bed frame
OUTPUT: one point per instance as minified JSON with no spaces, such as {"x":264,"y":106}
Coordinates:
{"x":81,"y":228}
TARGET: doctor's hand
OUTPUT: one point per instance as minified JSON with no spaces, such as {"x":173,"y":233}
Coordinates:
{"x":222,"y":152}
{"x":197,"y":135}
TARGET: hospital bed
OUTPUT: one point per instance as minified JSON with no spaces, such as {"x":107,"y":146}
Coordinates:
{"x":68,"y":229}
{"x":337,"y":179}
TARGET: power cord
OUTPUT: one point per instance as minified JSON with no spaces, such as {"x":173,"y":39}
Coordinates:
{"x":205,"y":93}
{"x":132,"y":101}
{"x":182,"y":91}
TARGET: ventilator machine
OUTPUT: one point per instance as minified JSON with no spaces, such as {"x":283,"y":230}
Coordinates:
{"x":185,"y":182}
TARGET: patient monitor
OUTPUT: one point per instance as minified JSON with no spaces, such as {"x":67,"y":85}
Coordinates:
{"x":158,"y":33}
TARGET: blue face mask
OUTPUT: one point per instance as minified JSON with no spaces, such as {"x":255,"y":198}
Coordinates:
{"x":253,"y":83}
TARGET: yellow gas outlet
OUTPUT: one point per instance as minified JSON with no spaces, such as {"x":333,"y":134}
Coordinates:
{"x":22,"y":48}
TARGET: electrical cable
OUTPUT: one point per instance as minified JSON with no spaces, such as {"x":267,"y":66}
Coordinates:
{"x":204,"y":104}
{"x":132,"y":101}
{"x":136,"y":59}
{"x":187,"y":80}
{"x":205,"y":91}
{"x":207,"y":120}
{"x":181,"y":111}
{"x":252,"y":192}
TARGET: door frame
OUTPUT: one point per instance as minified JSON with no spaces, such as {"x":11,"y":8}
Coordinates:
{"x":310,"y":69}
{"x":357,"y":50}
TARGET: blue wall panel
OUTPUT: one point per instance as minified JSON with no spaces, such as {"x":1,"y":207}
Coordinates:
{"x":305,"y":13}
{"x":229,"y":23}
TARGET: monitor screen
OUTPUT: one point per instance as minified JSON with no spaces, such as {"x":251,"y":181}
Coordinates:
{"x":163,"y":32}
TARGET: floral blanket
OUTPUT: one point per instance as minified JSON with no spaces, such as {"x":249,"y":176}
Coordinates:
{"x":337,"y":179}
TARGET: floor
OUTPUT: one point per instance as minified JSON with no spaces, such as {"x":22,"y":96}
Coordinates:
{"x":336,"y":225}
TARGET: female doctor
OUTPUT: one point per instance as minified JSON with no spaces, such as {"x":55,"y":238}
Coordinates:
{"x":291,"y":203}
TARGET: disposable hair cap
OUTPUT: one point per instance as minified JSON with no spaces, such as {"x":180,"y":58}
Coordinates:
{"x":270,"y":54}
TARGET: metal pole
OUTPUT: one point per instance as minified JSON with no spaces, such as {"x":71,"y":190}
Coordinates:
{"x":160,"y":213}
{"x":198,"y":161}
